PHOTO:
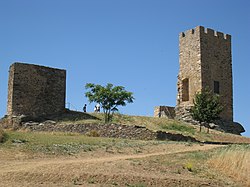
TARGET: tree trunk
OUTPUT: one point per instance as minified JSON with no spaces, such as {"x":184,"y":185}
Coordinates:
{"x":105,"y":116}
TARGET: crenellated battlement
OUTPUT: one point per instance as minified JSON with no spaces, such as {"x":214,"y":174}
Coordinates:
{"x":207,"y":31}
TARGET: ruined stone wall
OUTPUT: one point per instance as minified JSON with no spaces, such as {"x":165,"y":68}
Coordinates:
{"x":205,"y":58}
{"x":190,"y":70}
{"x":35,"y":90}
{"x":164,"y":111}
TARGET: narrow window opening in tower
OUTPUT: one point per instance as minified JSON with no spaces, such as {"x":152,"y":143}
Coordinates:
{"x":216,"y":87}
{"x":185,"y":89}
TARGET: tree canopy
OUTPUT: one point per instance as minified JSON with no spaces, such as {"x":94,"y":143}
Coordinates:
{"x":109,"y":97}
{"x":207,"y":107}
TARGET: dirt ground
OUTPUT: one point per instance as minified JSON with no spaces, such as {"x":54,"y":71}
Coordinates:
{"x":150,"y":166}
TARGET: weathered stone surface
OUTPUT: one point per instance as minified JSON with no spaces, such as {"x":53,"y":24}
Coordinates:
{"x":205,"y":60}
{"x":164,"y":111}
{"x":206,"y":63}
{"x":103,"y":130}
{"x":220,"y":125}
{"x":35,"y":90}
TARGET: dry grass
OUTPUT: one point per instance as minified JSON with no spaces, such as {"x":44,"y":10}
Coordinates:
{"x":145,"y":165}
{"x":68,"y":159}
{"x":234,"y":162}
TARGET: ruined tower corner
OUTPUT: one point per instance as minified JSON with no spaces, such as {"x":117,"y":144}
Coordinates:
{"x":164,"y":111}
{"x":35,"y":91}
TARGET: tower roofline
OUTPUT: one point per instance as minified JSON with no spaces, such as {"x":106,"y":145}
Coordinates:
{"x":207,"y":31}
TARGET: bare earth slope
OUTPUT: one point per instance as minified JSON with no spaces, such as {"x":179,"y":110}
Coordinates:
{"x":102,"y":168}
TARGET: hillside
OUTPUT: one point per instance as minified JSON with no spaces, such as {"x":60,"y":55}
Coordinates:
{"x":154,"y":124}
{"x":54,"y":159}
{"x":69,"y":159}
{"x":127,"y":126}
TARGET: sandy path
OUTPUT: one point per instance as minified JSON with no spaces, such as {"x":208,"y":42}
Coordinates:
{"x":15,"y":166}
{"x":103,"y":167}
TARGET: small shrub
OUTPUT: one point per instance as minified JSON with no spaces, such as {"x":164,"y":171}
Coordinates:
{"x":19,"y":141}
{"x":93,"y":133}
{"x":189,"y":167}
{"x":91,"y":180}
{"x":76,"y":181}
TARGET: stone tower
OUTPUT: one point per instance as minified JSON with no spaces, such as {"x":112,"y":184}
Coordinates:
{"x":205,"y":62}
{"x":35,"y":90}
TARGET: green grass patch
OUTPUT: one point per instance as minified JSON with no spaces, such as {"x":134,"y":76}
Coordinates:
{"x":3,"y":135}
{"x":179,"y":128}
{"x":67,"y":143}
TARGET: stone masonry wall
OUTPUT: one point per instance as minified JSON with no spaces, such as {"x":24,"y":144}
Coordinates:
{"x":35,"y":90}
{"x":164,"y":111}
{"x":107,"y":130}
{"x":205,"y":57}
{"x":190,"y":69}
{"x":217,"y":66}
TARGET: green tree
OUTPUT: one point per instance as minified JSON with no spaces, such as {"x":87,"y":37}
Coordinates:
{"x":207,"y":107}
{"x":109,"y":97}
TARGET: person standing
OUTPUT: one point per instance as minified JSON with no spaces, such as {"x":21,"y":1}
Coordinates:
{"x":85,"y":108}
{"x":98,"y":107}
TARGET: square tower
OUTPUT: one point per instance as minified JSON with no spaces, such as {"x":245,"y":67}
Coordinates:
{"x":205,"y":62}
{"x":35,"y":90}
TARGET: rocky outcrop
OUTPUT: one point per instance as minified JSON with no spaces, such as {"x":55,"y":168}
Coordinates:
{"x":219,"y":125}
{"x":103,"y":130}
{"x":183,"y":114}
{"x":107,"y":130}
{"x":229,"y":127}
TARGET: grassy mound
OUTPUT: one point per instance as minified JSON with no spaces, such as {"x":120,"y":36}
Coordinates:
{"x":60,"y":143}
{"x":154,"y":124}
